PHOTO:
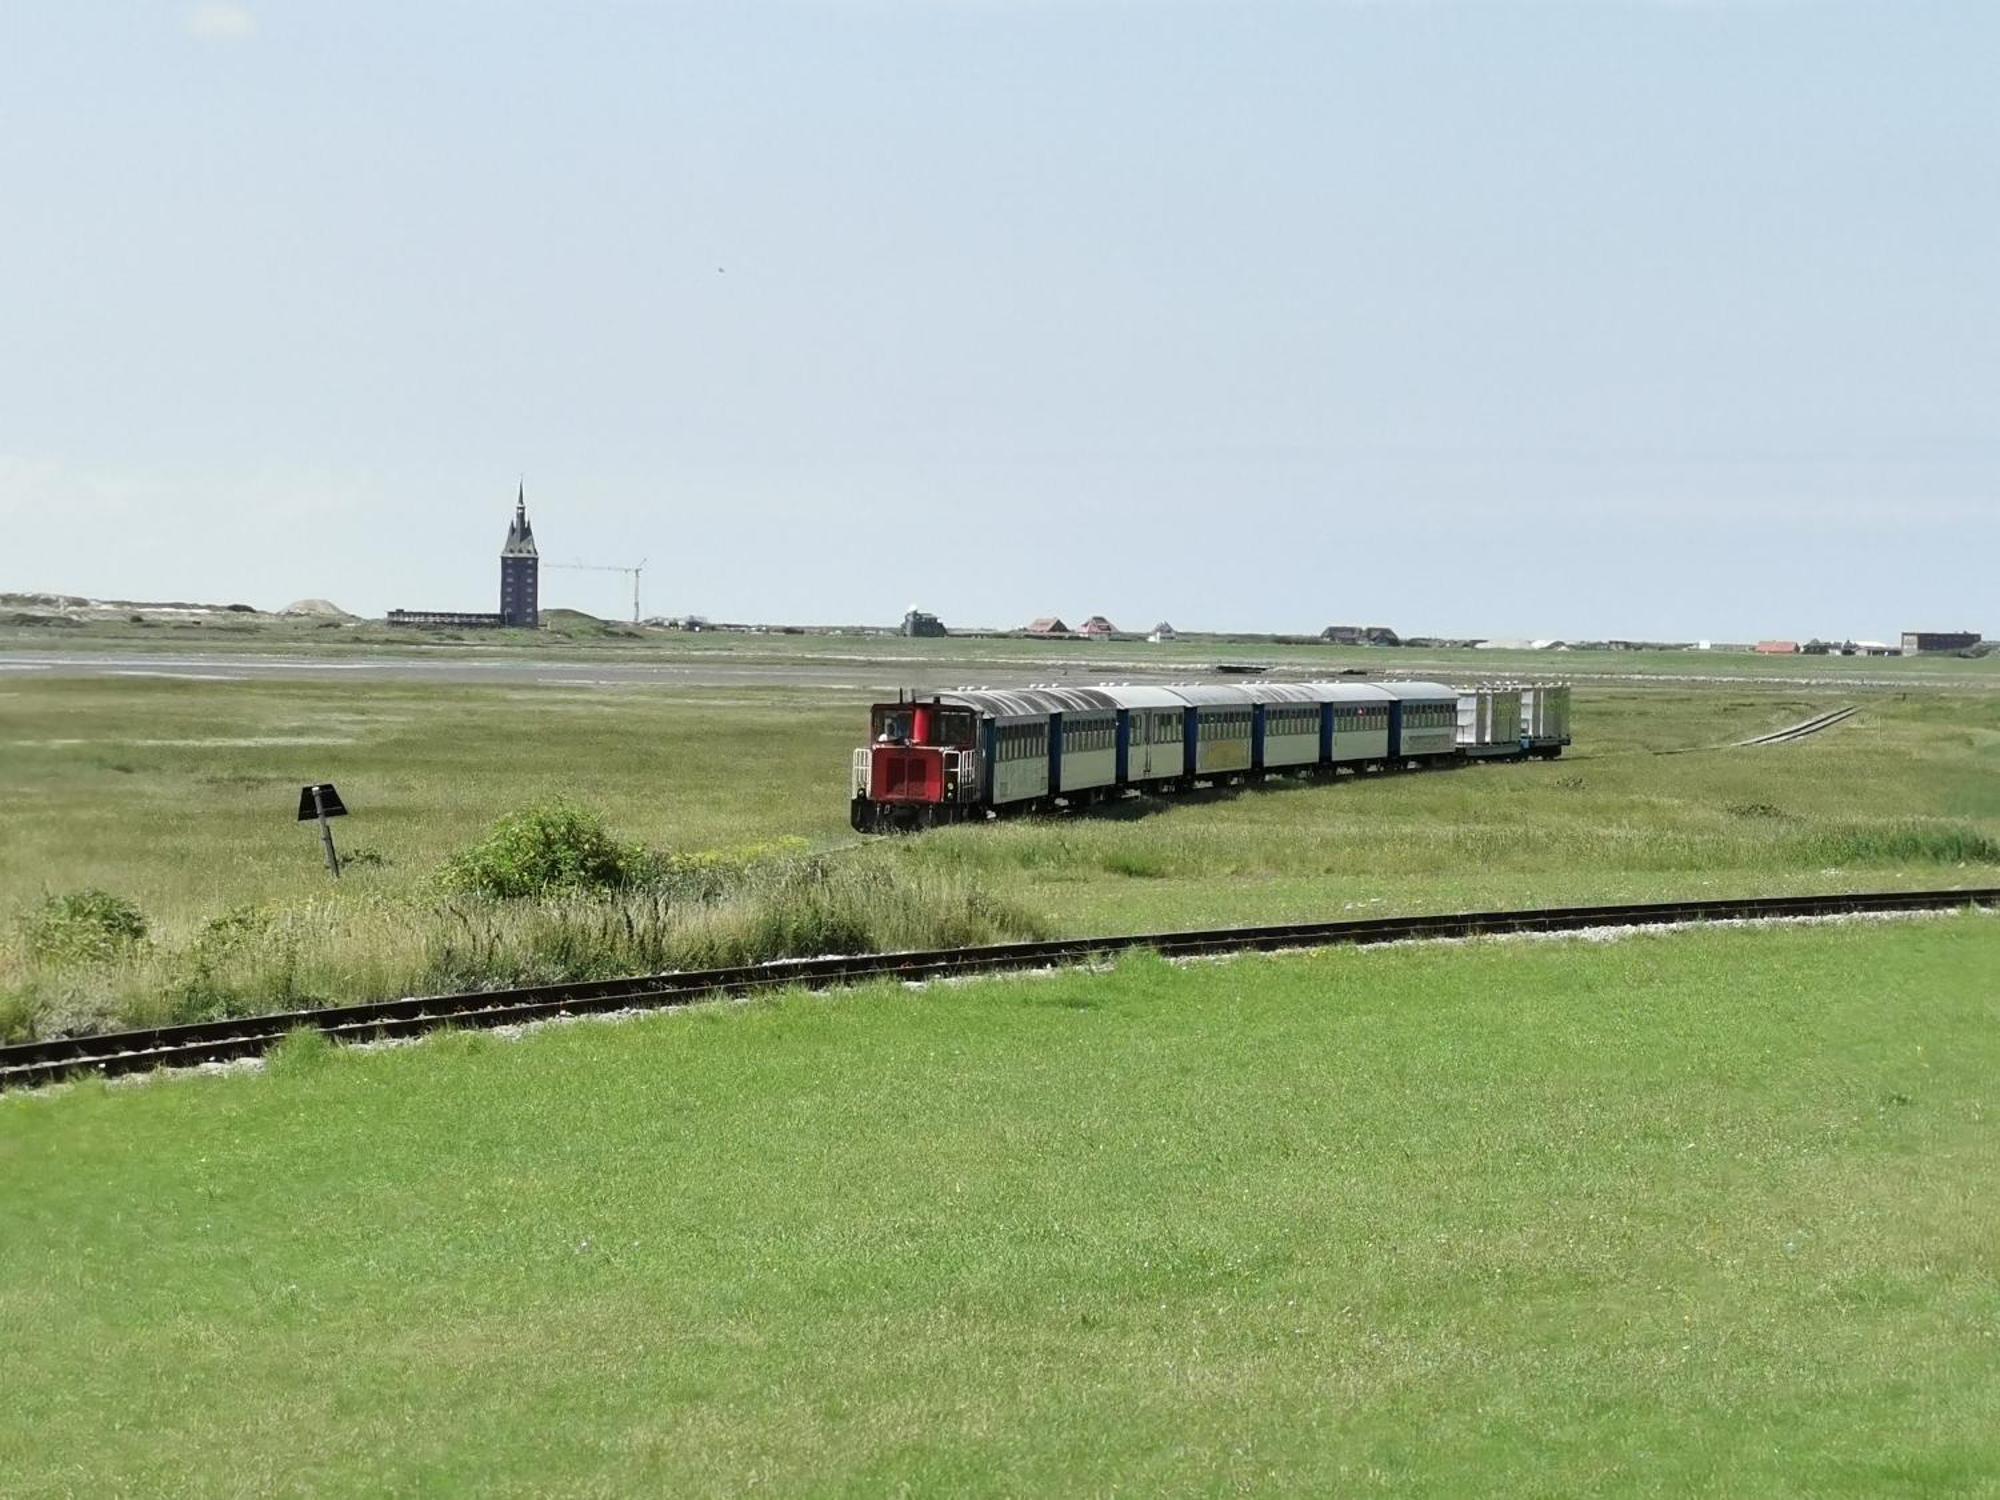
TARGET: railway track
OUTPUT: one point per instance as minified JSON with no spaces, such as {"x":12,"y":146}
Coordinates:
{"x":30,"y":1064}
{"x":1810,"y":727}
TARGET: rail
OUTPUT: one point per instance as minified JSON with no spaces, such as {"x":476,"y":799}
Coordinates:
{"x":28,"y":1064}
{"x":1810,"y":727}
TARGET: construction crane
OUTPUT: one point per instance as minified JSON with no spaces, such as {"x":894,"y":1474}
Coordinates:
{"x":609,"y":568}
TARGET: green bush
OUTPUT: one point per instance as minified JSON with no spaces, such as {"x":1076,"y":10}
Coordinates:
{"x":546,"y":849}
{"x":89,"y":926}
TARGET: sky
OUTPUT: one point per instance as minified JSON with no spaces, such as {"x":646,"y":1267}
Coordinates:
{"x":1653,"y":318}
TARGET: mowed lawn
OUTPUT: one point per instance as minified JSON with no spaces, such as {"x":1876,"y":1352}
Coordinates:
{"x":1708,"y":1213}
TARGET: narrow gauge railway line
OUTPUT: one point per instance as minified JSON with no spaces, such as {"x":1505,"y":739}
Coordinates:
{"x":1810,"y":727}
{"x":29,"y":1064}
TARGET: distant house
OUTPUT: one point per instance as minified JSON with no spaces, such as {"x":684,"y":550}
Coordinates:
{"x":1777,"y":648}
{"x":1938,"y":640}
{"x":1097,"y":628}
{"x":1049,"y":625}
{"x":920,"y":622}
{"x":1360,"y":635}
{"x":1163,"y":632}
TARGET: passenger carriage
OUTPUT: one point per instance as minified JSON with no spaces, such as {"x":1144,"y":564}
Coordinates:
{"x":1358,"y":715}
{"x":1288,"y":725}
{"x":1217,"y":729}
{"x":1152,"y":734}
{"x":1423,"y":721}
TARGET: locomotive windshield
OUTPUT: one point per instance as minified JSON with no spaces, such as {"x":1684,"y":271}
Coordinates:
{"x":923,"y":724}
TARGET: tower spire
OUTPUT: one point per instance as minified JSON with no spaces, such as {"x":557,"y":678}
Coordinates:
{"x":520,"y":535}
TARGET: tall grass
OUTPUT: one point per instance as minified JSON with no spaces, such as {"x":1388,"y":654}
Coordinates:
{"x":327,"y":951}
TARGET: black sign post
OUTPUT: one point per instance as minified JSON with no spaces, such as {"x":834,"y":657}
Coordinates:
{"x":323,"y":802}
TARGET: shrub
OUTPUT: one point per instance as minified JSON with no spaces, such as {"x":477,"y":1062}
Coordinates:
{"x":235,"y":928}
{"x":546,"y":849}
{"x":89,"y":926}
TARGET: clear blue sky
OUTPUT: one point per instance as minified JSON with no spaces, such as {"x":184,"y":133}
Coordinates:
{"x":1662,"y":319}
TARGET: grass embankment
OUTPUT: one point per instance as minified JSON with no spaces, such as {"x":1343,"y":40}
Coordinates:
{"x":1695,"y":1213}
{"x":179,"y":797}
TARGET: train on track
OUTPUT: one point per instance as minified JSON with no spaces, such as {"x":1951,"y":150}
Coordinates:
{"x":974,"y":754}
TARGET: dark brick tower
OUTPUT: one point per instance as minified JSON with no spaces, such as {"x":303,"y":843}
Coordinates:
{"x":520,"y":571}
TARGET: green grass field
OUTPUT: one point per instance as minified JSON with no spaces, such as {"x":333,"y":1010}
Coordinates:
{"x":1683,"y":1214}
{"x":179,"y":795}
